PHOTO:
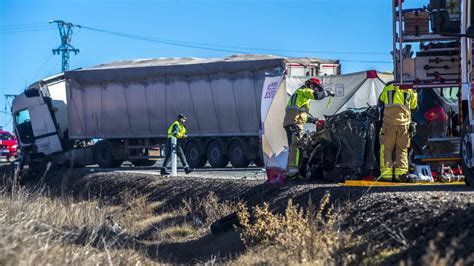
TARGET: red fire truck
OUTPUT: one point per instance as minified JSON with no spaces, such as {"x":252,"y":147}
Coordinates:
{"x":433,"y":53}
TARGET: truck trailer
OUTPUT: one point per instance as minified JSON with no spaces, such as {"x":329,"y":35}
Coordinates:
{"x":121,"y":111}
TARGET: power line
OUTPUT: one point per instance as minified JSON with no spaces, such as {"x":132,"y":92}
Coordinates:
{"x":151,"y":39}
{"x":25,"y":30}
{"x":50,"y":72}
{"x":366,"y":61}
{"x":17,"y":26}
{"x":220,"y":47}
{"x":8,"y":122}
{"x":42,"y":67}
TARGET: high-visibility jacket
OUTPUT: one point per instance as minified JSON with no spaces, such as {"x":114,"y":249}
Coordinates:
{"x":176,"y":129}
{"x":300,"y":99}
{"x":398,"y":104}
{"x":298,"y":105}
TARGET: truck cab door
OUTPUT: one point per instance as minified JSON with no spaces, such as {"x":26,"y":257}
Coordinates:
{"x":45,"y":134}
{"x":35,"y":128}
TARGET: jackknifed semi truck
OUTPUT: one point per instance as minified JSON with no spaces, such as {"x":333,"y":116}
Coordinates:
{"x":121,"y":111}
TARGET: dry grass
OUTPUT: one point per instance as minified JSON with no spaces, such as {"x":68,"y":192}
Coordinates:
{"x":311,"y":236}
{"x":433,"y":255}
{"x":35,"y":229}
{"x":38,"y":229}
{"x":208,"y":209}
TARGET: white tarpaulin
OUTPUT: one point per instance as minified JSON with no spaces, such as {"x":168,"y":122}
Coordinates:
{"x":355,"y":90}
{"x":352,"y":90}
{"x":273,"y":112}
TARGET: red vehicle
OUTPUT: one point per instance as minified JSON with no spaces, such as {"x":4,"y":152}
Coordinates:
{"x":8,"y":145}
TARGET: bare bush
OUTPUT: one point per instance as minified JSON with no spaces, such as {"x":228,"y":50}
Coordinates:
{"x":208,"y":209}
{"x":297,"y":235}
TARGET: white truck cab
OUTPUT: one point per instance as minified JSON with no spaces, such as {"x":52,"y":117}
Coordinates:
{"x":36,"y":115}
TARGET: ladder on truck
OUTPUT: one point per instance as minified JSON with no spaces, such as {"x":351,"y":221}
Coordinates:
{"x":436,"y":64}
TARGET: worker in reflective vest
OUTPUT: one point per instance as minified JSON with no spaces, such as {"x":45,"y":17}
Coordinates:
{"x":397,"y":105}
{"x":296,"y":116}
{"x":177,"y":130}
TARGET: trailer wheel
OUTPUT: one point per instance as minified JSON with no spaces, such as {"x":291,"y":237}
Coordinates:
{"x":468,"y":175}
{"x":193,"y":155}
{"x":215,"y":155}
{"x":466,"y":153}
{"x":104,"y":155}
{"x":237,"y":155}
{"x":259,"y":162}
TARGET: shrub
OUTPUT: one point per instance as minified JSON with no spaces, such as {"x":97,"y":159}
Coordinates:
{"x":312,"y":235}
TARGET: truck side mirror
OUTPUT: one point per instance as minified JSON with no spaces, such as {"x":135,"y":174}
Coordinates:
{"x":470,"y":32}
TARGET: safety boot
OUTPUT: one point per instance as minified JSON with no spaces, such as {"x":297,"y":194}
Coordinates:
{"x":293,"y":176}
{"x":406,"y":178}
{"x":188,"y":170}
{"x":164,"y":172}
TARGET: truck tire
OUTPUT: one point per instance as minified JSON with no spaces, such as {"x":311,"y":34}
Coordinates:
{"x":468,"y":175}
{"x":215,"y":155}
{"x":259,"y":162}
{"x":466,"y":154}
{"x":466,"y":170}
{"x":143,"y":162}
{"x":225,"y":224}
{"x":193,"y":155}
{"x":104,"y":155}
{"x":237,"y":155}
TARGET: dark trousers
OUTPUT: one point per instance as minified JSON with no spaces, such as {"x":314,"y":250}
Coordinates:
{"x":179,"y":152}
{"x":289,"y":134}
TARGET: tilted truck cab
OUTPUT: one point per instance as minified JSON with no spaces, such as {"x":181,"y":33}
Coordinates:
{"x":35,"y":119}
{"x":40,"y":123}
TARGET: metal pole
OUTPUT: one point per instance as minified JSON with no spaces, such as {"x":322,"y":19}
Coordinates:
{"x":174,"y":162}
{"x":400,"y":39}
{"x":394,"y":33}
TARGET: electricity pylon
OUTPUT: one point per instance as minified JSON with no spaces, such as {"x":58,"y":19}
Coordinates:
{"x":65,"y":33}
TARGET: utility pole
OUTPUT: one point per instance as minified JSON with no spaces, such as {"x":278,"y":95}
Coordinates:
{"x":7,"y":112}
{"x":65,"y":33}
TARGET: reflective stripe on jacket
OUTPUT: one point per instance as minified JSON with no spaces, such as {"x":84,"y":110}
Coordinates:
{"x":398,"y":104}
{"x":393,"y":96}
{"x":176,"y":129}
{"x":301,"y":98}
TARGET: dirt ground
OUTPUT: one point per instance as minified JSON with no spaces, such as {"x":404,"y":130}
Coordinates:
{"x":410,"y":220}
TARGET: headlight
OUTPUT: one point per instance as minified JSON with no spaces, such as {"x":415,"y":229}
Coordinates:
{"x":14,"y":146}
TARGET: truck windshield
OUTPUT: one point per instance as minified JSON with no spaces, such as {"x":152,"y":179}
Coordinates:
{"x":23,"y":125}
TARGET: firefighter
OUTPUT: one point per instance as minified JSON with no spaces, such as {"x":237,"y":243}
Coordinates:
{"x":177,"y":130}
{"x":397,"y":105}
{"x":296,"y":116}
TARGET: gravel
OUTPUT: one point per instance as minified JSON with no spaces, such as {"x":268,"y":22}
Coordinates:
{"x":408,"y":219}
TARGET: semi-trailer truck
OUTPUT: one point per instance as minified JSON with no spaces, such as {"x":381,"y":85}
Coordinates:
{"x":120,"y":111}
